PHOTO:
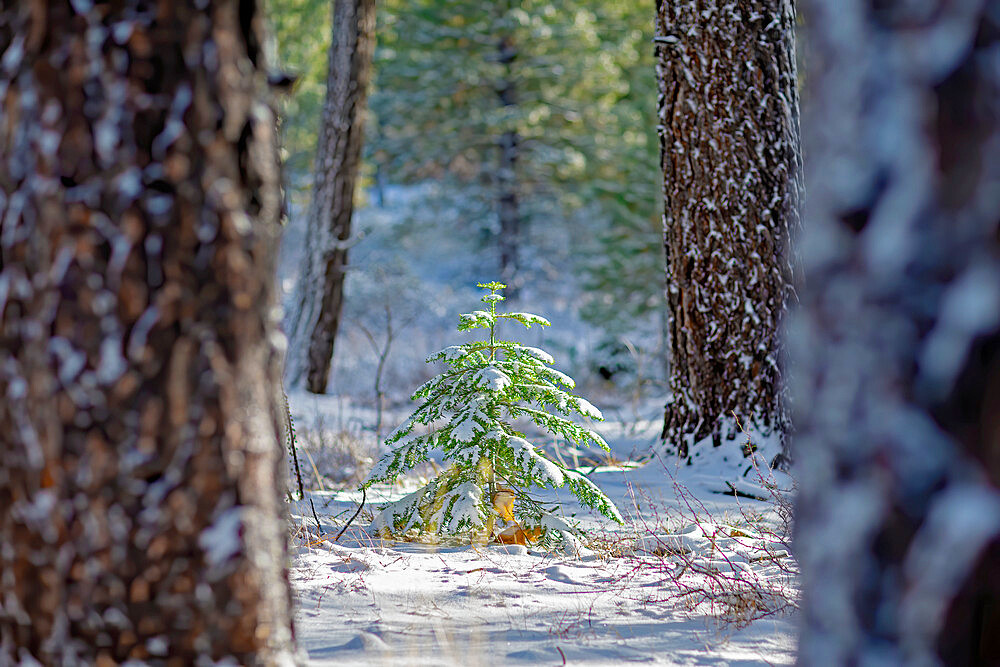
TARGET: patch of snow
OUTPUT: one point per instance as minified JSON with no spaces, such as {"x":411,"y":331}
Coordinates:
{"x":530,"y":318}
{"x":492,"y":379}
{"x":71,"y":360}
{"x":221,"y":541}
{"x":588,"y":409}
{"x":112,"y":364}
{"x":450,"y":353}
{"x":529,"y":459}
{"x":465,"y":430}
{"x":137,"y":339}
{"x":971,"y":307}
{"x":466,"y":508}
{"x":537,"y":353}
{"x":961,"y":523}
{"x":559,"y":376}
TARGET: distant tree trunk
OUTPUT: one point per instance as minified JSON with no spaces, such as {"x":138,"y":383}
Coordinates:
{"x":508,"y":207}
{"x":319,"y":294}
{"x":730,"y":156}
{"x":140,"y":463}
{"x":897,"y":346}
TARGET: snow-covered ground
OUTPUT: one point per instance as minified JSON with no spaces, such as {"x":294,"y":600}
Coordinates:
{"x":675,"y":585}
{"x":678,"y":584}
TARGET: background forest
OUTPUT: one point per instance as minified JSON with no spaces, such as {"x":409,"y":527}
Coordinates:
{"x":589,"y":243}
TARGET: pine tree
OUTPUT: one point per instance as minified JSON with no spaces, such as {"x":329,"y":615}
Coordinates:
{"x":730,"y":159}
{"x":471,"y":410}
{"x":896,"y":347}
{"x":140,"y":515}
{"x":319,"y":292}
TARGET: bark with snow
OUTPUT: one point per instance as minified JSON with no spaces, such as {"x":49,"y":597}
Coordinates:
{"x":728,"y":111}
{"x":141,"y":468}
{"x":897,"y":346}
{"x":319,"y":292}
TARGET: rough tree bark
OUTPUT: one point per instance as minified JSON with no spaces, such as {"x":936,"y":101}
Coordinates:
{"x":319,"y":293}
{"x":897,"y":346}
{"x":141,"y":468}
{"x":728,"y":111}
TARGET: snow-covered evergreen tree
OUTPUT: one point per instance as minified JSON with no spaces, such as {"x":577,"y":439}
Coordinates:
{"x":470,"y":410}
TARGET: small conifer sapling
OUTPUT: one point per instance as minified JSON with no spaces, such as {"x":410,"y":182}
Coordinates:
{"x":468,"y":413}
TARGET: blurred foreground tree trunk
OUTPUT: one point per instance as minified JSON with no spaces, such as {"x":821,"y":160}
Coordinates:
{"x":897,"y":345}
{"x":729,"y":141}
{"x":140,"y":463}
{"x":319,"y":293}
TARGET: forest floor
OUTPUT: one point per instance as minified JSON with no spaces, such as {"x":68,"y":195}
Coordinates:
{"x":694,"y":577}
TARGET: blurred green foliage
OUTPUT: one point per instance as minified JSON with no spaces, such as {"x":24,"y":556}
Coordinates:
{"x":585,"y":113}
{"x":302,"y":31}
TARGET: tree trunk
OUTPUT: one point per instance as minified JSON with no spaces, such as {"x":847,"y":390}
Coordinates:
{"x":319,"y":294}
{"x":508,"y":207}
{"x":897,"y":346}
{"x":140,"y":515}
{"x":729,"y":143}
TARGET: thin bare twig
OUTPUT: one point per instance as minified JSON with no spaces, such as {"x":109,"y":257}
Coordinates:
{"x":292,"y":445}
{"x":351,"y":520}
{"x":318,"y":526}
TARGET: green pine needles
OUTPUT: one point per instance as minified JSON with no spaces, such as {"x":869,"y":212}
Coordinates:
{"x":469,"y":411}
